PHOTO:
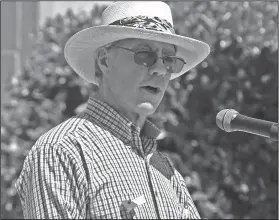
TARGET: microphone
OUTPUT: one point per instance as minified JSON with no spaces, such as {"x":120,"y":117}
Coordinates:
{"x":230,"y":120}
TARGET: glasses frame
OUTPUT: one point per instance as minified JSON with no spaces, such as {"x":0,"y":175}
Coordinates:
{"x":113,"y":45}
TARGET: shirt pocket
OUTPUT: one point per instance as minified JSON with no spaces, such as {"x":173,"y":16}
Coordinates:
{"x":113,"y":205}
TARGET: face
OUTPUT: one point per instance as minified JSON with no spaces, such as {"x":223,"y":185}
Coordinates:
{"x":128,"y":81}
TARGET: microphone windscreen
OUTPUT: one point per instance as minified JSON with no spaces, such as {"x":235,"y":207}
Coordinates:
{"x":224,"y":117}
{"x":220,"y":117}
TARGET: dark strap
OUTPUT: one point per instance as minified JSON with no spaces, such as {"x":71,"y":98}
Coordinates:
{"x":145,"y":22}
{"x":163,"y":164}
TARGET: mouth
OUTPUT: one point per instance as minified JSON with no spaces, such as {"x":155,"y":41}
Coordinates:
{"x":152,"y":89}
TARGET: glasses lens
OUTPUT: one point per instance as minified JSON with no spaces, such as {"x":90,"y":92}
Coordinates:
{"x":145,"y":58}
{"x":173,"y":64}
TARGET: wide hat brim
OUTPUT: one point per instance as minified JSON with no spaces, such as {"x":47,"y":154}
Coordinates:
{"x":80,"y":49}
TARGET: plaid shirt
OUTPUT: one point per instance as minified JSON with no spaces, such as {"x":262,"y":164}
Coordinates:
{"x":98,"y":165}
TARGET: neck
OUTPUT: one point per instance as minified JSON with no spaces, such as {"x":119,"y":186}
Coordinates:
{"x":108,"y":97}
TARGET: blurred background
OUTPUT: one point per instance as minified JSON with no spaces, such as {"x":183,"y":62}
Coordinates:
{"x":229,"y":175}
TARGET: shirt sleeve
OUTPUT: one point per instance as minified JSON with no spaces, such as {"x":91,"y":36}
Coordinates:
{"x":52,"y":184}
{"x":190,"y":210}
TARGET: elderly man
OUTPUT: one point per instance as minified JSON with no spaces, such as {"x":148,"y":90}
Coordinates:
{"x":103,"y":163}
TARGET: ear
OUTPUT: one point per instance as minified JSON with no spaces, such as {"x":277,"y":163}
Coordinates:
{"x":102,"y":59}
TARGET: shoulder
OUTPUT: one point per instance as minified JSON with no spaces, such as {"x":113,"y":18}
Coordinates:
{"x":72,"y":137}
{"x":60,"y":141}
{"x":73,"y":127}
{"x":61,"y":131}
{"x":56,"y":146}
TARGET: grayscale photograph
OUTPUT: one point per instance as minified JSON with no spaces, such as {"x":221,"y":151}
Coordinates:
{"x":139,"y":109}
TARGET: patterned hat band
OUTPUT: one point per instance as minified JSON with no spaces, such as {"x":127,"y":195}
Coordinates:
{"x":145,"y":22}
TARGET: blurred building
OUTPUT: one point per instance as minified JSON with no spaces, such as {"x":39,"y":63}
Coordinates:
{"x":20,"y":21}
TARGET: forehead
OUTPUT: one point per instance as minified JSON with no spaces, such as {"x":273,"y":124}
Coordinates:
{"x":152,"y":44}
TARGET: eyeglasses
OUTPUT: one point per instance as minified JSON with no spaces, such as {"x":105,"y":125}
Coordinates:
{"x":173,"y":64}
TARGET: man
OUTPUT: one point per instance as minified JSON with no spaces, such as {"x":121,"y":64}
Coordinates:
{"x":103,"y":163}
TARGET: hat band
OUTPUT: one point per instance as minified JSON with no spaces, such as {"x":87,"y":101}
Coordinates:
{"x":145,"y":22}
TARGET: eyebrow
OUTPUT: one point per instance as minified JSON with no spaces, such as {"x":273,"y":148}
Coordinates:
{"x":144,"y":45}
{"x":169,"y":51}
{"x":166,"y":51}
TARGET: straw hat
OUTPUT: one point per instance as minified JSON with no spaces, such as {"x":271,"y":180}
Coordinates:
{"x":150,"y":20}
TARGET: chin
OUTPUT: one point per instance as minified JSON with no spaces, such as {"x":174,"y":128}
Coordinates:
{"x":146,"y":108}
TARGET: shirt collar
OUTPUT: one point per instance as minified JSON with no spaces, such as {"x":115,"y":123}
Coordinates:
{"x":120,"y":126}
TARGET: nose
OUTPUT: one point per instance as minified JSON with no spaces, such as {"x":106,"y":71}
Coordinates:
{"x":158,"y":68}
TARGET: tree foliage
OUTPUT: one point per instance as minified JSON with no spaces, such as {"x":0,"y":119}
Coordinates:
{"x":230,"y":175}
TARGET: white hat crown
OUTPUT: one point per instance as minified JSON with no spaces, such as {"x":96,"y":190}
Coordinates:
{"x":148,"y":20}
{"x":122,"y":9}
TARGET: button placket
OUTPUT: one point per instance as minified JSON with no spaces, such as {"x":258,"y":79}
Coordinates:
{"x":152,"y":186}
{"x":152,"y":180}
{"x":137,"y":143}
